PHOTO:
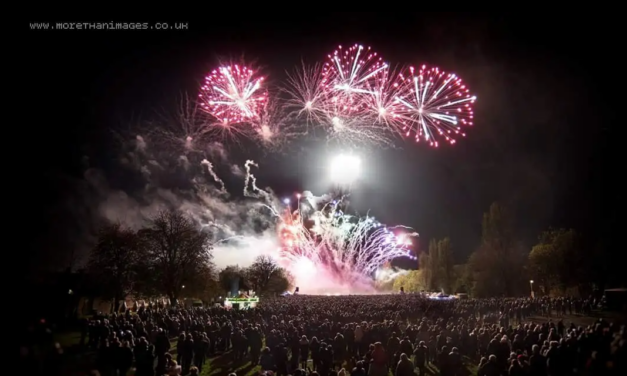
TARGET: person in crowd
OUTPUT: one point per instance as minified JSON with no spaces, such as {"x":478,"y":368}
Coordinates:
{"x":490,"y":368}
{"x":404,"y":367}
{"x":421,"y":354}
{"x":379,"y":361}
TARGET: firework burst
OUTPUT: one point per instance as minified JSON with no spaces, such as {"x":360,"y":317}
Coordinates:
{"x":336,"y":96}
{"x":306,"y":94}
{"x":381,"y":104}
{"x":184,"y":130}
{"x":273,"y":128}
{"x":348,"y":247}
{"x":354,"y":97}
{"x":349,"y":73}
{"x":233,"y":96}
{"x":358,"y":99}
{"x":434,"y":105}
{"x":349,"y":78}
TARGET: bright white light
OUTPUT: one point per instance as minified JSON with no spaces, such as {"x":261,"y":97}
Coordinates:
{"x":286,"y":201}
{"x":345,"y":169}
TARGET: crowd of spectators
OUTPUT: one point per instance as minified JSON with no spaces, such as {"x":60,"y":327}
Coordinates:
{"x":357,"y":335}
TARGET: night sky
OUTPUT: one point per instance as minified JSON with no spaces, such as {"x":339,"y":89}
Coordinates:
{"x":542,"y":144}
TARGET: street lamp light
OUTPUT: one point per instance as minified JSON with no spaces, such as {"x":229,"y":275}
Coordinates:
{"x":531,"y":286}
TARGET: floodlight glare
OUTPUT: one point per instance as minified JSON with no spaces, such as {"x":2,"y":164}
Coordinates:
{"x":345,"y":169}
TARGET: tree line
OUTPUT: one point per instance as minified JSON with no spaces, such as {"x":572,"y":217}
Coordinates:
{"x":560,"y":263}
{"x":171,"y":257}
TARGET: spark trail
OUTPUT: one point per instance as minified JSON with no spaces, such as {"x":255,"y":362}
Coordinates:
{"x":348,"y":248}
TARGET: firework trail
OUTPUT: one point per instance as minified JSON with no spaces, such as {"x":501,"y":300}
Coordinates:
{"x":435,"y":105}
{"x":215,"y":176}
{"x":250,"y":186}
{"x":324,"y":241}
{"x":267,"y":125}
{"x":350,"y":249}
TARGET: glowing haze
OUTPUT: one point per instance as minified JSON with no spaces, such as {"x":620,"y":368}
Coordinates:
{"x":344,"y":169}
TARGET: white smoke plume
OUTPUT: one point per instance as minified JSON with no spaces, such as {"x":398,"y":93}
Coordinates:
{"x":152,"y":179}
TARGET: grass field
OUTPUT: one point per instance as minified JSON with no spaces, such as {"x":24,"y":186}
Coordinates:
{"x":223,"y":364}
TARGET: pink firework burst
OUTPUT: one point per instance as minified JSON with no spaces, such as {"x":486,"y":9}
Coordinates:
{"x":433,"y":105}
{"x":338,"y":95}
{"x":349,"y":76}
{"x":233,"y":95}
{"x":381,"y":104}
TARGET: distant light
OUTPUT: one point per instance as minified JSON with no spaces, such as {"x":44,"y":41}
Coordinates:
{"x":345,"y":169}
{"x":286,"y":201}
{"x":298,"y":196}
{"x":531,"y":281}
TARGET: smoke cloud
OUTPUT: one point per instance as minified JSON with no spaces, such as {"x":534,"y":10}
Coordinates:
{"x":148,"y":177}
{"x":147,"y":180}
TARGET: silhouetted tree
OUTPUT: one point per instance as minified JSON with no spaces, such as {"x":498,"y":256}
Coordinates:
{"x":203,"y":286}
{"x":498,"y":264}
{"x":424,"y":266}
{"x":445,"y":265}
{"x":437,"y":266}
{"x":606,"y":265}
{"x":463,"y":279}
{"x":263,"y":271}
{"x":116,"y":261}
{"x":280,"y":281}
{"x":179,"y":252}
{"x":433,"y":266}
{"x":229,"y":274}
{"x":412,"y":281}
{"x":557,"y":262}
